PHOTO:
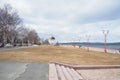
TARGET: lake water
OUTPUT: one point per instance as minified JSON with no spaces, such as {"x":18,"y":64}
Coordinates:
{"x":97,"y":45}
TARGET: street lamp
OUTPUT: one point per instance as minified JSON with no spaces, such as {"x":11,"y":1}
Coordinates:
{"x":88,"y":38}
{"x":79,"y":38}
{"x":105,"y":32}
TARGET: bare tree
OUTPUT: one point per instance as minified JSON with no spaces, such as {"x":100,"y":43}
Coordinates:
{"x":28,"y":36}
{"x":12,"y":30}
{"x":9,"y":20}
{"x":33,"y":37}
{"x":22,"y":34}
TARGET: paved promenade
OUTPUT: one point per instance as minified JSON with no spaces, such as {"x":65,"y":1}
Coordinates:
{"x":23,"y":71}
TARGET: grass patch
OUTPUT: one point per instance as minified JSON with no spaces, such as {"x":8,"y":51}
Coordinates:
{"x":61,"y":54}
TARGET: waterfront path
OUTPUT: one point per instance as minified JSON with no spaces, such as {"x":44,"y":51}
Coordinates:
{"x":23,"y":71}
{"x":13,"y":48}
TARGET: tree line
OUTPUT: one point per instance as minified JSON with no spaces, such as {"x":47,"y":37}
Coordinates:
{"x":12,"y":29}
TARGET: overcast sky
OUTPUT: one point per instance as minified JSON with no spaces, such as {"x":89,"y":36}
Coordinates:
{"x":71,"y":20}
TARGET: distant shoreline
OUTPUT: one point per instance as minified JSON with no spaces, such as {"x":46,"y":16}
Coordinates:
{"x":114,"y":51}
{"x":113,"y":46}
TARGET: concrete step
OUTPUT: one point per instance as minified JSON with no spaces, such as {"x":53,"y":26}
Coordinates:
{"x":72,"y":73}
{"x":53,"y":72}
{"x":60,"y":72}
{"x":76,"y":74}
{"x":67,"y":74}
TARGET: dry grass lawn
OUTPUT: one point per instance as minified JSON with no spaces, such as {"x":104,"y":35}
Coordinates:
{"x":61,"y":54}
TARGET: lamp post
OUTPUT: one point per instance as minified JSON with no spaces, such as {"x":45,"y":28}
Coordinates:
{"x":88,"y":38}
{"x":79,"y":38}
{"x":79,"y":41}
{"x":105,"y":32}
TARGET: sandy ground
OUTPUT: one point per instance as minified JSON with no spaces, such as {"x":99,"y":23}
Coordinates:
{"x":102,"y":50}
{"x":61,"y":54}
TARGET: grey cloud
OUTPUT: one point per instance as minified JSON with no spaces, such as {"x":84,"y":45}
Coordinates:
{"x":67,"y":19}
{"x":107,"y":13}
